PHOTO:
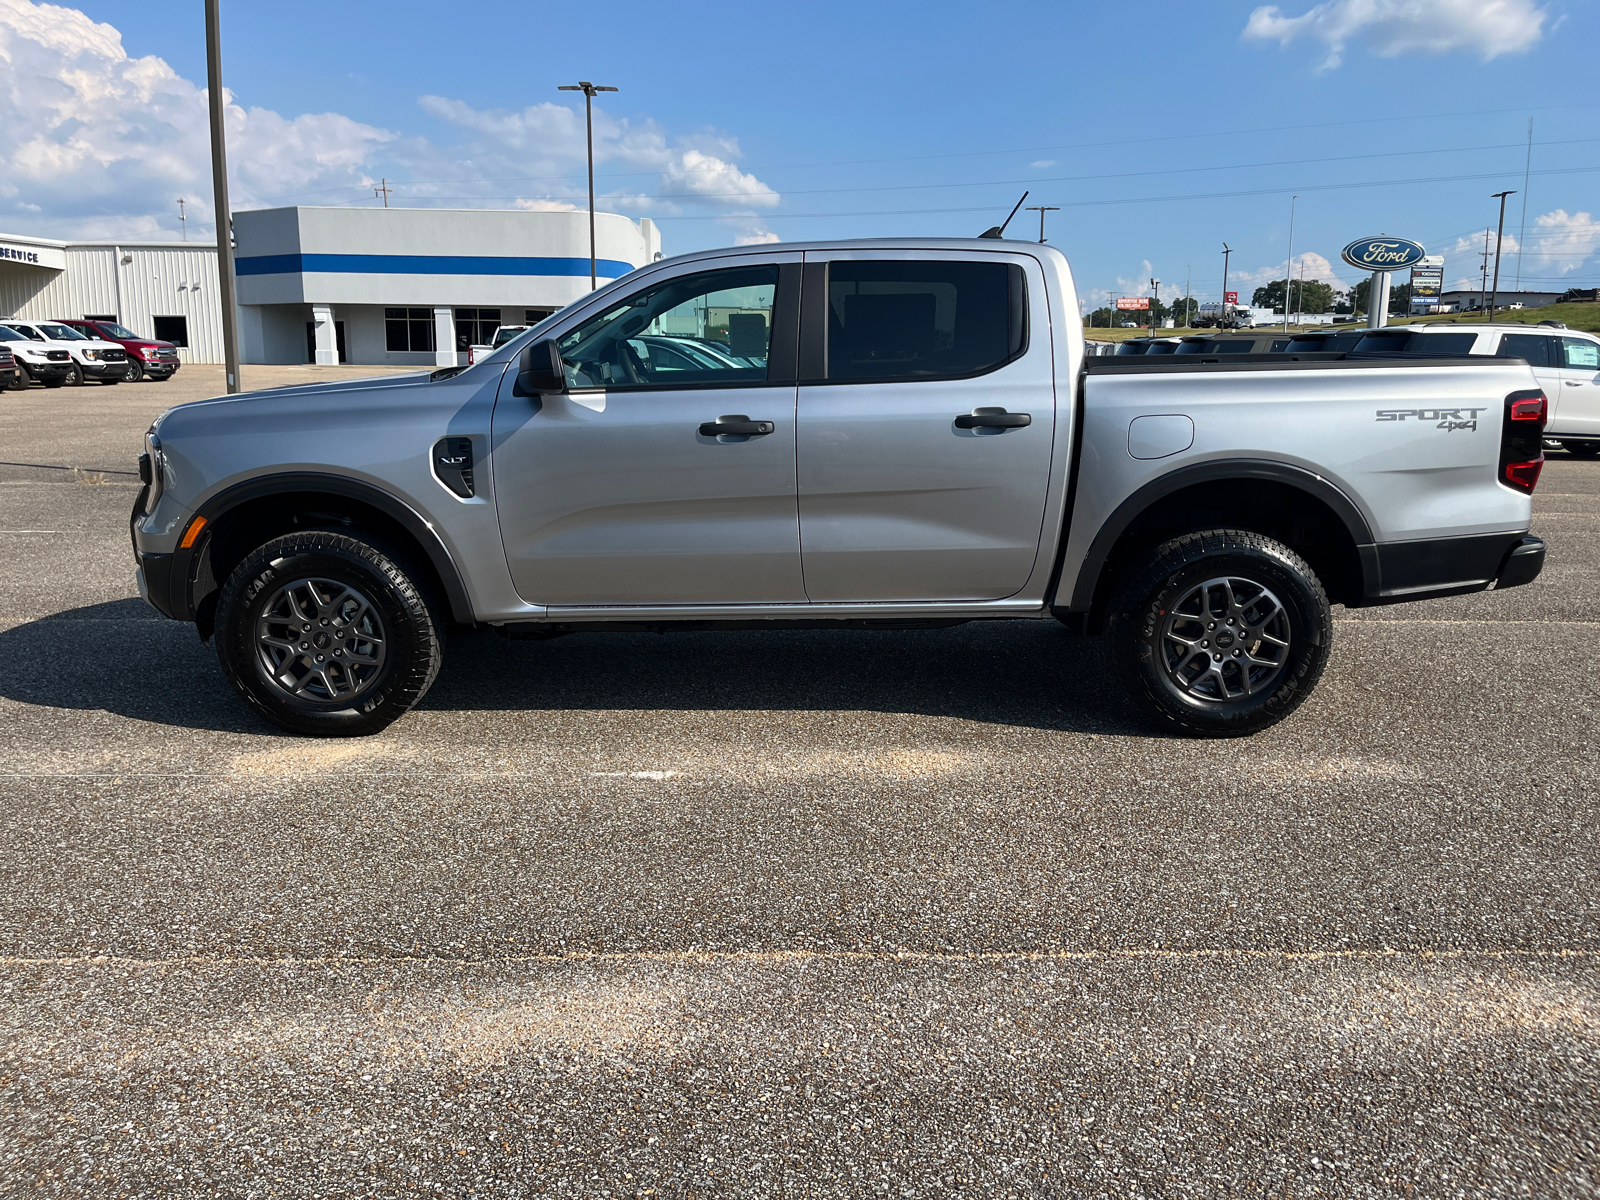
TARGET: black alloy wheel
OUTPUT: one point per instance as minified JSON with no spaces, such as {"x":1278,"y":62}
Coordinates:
{"x":135,"y":371}
{"x":1220,"y":633}
{"x":327,"y":634}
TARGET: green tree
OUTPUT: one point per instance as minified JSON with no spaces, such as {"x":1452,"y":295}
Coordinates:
{"x":1183,"y":312}
{"x":1310,"y":296}
{"x":1399,"y":297}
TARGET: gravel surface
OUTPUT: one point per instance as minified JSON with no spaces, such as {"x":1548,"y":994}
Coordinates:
{"x":805,"y":914}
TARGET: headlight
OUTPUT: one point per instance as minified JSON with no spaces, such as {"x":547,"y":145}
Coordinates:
{"x":158,"y":471}
{"x":92,"y":355}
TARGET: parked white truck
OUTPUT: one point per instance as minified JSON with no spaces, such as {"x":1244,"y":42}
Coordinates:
{"x":882,"y":434}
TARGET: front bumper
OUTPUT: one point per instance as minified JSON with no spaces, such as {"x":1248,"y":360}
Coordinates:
{"x":44,"y":371}
{"x":104,"y":370}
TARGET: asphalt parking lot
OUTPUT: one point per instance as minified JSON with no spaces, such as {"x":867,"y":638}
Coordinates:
{"x":923,"y":913}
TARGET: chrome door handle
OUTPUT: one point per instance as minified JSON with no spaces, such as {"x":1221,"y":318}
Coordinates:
{"x":736,"y":424}
{"x":993,"y":418}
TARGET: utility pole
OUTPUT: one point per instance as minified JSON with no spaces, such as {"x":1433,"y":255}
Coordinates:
{"x":383,"y":191}
{"x":1499,"y":233}
{"x":1041,"y":209}
{"x":1222,"y":312}
{"x":589,"y":91}
{"x":1188,"y":303}
{"x":1156,"y":284}
{"x":1288,"y":274}
{"x":182,"y":220}
{"x":219,"y":184}
{"x":1483,"y":288}
{"x":1522,"y":233}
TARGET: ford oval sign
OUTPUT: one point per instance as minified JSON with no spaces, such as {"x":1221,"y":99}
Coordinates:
{"x":1383,"y":254}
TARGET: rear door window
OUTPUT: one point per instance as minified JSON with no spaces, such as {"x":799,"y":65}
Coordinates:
{"x":1581,"y":354}
{"x":1534,"y":347}
{"x":906,"y":320}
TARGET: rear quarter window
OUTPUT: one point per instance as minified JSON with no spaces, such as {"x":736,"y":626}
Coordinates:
{"x":1533,"y":347}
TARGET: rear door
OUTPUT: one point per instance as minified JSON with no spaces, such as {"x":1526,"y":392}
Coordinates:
{"x":661,"y":478}
{"x":926,"y":418}
{"x":1579,"y":409}
{"x":1543,"y":353}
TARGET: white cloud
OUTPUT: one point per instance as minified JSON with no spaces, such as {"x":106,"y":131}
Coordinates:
{"x":1044,"y":162}
{"x":1559,"y":243}
{"x":1308,"y":265}
{"x":105,"y":143}
{"x":96,"y":144}
{"x":1487,"y":28}
{"x":764,"y":237}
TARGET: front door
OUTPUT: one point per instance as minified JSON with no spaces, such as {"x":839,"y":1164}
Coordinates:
{"x":1580,"y":386}
{"x":666,"y":474}
{"x":924,"y":448}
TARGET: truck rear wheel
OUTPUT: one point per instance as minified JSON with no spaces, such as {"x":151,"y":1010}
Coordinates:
{"x":325,"y":634}
{"x":1220,"y":633}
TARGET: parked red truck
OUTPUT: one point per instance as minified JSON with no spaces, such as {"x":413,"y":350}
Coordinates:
{"x":146,"y":356}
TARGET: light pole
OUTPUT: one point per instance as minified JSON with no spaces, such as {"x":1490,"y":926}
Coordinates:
{"x":1288,"y":273}
{"x":1222,"y":313}
{"x":1495,"y":295}
{"x":1041,"y":209}
{"x":219,"y":185}
{"x":589,"y":91}
{"x":1154,"y":308}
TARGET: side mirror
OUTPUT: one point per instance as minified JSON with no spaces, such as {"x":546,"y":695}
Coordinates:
{"x":541,"y":369}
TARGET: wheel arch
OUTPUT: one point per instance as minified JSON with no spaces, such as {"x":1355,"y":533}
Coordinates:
{"x":241,"y":517}
{"x":1307,"y":512}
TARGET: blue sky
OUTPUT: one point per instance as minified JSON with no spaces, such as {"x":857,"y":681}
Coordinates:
{"x":1161,"y":129}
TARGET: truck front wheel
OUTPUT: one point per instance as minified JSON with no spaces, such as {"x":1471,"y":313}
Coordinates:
{"x":1220,"y":633}
{"x":326,"y":634}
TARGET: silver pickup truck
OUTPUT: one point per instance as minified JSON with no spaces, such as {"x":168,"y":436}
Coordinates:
{"x":887,"y":434}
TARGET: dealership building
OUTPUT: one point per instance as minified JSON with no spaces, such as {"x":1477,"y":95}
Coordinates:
{"x":376,"y":286}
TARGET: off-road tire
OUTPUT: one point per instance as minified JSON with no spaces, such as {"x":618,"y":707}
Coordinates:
{"x":1148,"y":600}
{"x":409,"y":632}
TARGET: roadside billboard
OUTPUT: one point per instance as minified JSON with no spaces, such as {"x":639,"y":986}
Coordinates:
{"x":1427,"y":282}
{"x":1130,"y":303}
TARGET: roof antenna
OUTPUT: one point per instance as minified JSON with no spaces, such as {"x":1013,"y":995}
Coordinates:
{"x":1000,"y":230}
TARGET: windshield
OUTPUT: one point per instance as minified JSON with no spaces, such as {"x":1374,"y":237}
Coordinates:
{"x":112,"y":329}
{"x":505,"y":333}
{"x":8,"y":334}
{"x":64,"y":333}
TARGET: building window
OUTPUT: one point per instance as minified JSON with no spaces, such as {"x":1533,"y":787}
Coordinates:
{"x":476,"y":326}
{"x":532,"y":316}
{"x":408,"y":329}
{"x":173,"y":329}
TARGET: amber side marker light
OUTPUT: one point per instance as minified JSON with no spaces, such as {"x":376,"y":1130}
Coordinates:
{"x":189,"y":535}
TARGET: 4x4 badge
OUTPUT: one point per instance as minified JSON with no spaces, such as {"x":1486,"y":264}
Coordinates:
{"x":1448,"y":419}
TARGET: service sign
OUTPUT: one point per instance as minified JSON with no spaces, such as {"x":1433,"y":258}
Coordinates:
{"x":1383,"y":254}
{"x":33,"y":255}
{"x":1127,"y":303}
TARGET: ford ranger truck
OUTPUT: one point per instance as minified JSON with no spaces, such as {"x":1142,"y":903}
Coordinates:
{"x":888,"y":434}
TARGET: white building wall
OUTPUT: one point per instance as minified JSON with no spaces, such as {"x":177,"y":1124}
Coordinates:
{"x":134,"y":283}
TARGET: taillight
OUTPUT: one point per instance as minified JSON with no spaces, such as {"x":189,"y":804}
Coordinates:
{"x":1522,"y":439}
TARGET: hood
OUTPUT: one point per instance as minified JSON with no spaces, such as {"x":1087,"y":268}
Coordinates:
{"x":331,"y":387}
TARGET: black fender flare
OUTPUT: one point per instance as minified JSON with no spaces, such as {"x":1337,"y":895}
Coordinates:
{"x":186,"y":562}
{"x":1083,"y":591}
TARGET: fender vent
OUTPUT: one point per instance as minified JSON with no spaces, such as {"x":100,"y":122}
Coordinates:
{"x":452,"y":463}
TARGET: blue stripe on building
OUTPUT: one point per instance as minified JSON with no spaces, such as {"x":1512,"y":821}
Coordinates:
{"x":422,"y":264}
